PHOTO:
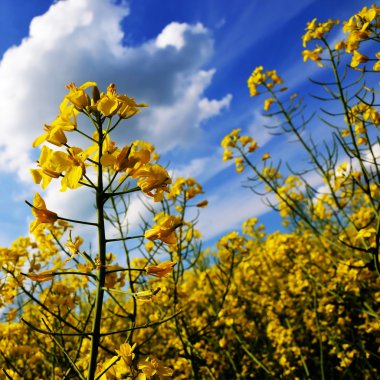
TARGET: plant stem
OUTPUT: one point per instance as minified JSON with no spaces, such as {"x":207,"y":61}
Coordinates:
{"x":100,"y":199}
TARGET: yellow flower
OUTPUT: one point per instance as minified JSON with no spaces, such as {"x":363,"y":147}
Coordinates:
{"x":42,"y":214}
{"x":109,"y":150}
{"x":316,"y":30}
{"x":128,"y":107}
{"x":119,"y":160}
{"x":252,"y":89}
{"x":164,"y":230}
{"x":239,"y":163}
{"x":112,"y":103}
{"x":341,"y":45}
{"x":130,"y":158}
{"x":267,"y":103}
{"x":153,"y":177}
{"x":253,"y":147}
{"x":54,"y":163}
{"x":257,"y":77}
{"x":229,"y":141}
{"x":116,"y":369}
{"x":268,"y":79}
{"x":126,"y":352}
{"x":66,"y":121}
{"x":365,"y":233}
{"x":73,"y":246}
{"x":227,"y":155}
{"x":54,"y":136}
{"x":313,"y":55}
{"x":265,"y":157}
{"x":77,"y":95}
{"x":202,"y":204}
{"x":50,"y":168}
{"x":149,"y":246}
{"x":74,"y":168}
{"x":376,"y":66}
{"x":161,"y":270}
{"x":358,"y":58}
{"x":223,"y":343}
{"x":108,"y":103}
{"x":154,"y":367}
{"x":189,"y":188}
{"x":272,"y":74}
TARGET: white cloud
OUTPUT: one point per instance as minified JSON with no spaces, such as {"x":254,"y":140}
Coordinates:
{"x":81,"y":40}
{"x":209,"y":108}
{"x":174,"y":34}
{"x":372,"y":156}
{"x":176,"y":124}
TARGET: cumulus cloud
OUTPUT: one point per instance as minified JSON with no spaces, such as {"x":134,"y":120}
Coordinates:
{"x":176,"y":124}
{"x":209,"y":108}
{"x":80,"y":40}
{"x":174,"y":34}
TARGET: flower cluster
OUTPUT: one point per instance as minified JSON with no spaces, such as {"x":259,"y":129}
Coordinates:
{"x":361,"y":27}
{"x":135,"y":160}
{"x":268,"y":79}
{"x":125,"y":365}
{"x":241,"y":143}
{"x":316,"y":31}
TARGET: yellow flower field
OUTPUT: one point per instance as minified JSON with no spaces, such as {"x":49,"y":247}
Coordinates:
{"x":150,"y":301}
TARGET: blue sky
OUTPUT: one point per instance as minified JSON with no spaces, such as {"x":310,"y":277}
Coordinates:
{"x":189,"y":60}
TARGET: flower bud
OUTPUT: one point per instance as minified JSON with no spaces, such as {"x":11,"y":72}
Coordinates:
{"x":95,"y":94}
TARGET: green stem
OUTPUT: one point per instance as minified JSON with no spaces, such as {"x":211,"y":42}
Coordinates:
{"x":132,"y":190}
{"x":100,"y":199}
{"x":77,"y":221}
{"x":125,"y":238}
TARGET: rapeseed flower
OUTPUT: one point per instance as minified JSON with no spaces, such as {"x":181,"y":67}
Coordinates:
{"x":153,"y":180}
{"x":42,"y":214}
{"x":164,"y":230}
{"x":161,"y":270}
{"x":77,"y":95}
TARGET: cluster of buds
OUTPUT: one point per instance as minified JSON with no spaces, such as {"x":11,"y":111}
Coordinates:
{"x":361,"y":26}
{"x":258,"y":77}
{"x":244,"y":144}
{"x":189,"y":187}
{"x":361,"y":116}
{"x":108,"y":104}
{"x":316,"y":31}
